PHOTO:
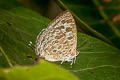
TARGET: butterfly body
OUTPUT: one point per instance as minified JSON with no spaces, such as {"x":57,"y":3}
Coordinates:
{"x":58,"y":41}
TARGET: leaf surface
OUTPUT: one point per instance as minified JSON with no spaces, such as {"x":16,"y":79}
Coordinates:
{"x":42,"y":71}
{"x":96,"y":17}
{"x":96,"y":60}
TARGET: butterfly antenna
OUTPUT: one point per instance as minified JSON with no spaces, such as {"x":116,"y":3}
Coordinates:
{"x":31,"y":45}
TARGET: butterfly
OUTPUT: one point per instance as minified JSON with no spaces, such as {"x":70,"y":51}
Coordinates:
{"x":58,"y":42}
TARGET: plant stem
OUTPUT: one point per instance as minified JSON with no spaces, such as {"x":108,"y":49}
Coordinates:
{"x":85,"y":26}
{"x":8,"y":60}
{"x":111,"y":25}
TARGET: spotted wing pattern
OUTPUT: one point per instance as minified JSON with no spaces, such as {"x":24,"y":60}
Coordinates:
{"x":58,"y":41}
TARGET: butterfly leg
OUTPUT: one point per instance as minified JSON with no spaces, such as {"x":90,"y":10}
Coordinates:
{"x":74,"y":60}
{"x":31,"y":45}
{"x":62,"y":61}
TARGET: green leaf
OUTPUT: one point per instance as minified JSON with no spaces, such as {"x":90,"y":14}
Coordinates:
{"x":18,"y":26}
{"x":96,"y":60}
{"x":98,"y":16}
{"x":41,"y":71}
{"x":110,"y":13}
{"x":79,"y":11}
{"x":41,"y":6}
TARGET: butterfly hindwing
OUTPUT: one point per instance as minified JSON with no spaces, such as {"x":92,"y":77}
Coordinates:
{"x":59,"y":40}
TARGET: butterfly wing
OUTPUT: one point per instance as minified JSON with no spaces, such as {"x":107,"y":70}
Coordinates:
{"x":59,"y":40}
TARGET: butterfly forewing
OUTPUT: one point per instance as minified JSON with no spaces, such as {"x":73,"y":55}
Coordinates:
{"x":59,"y":40}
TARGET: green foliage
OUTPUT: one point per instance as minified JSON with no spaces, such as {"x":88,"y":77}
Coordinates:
{"x":19,"y":25}
{"x":98,"y":15}
{"x":40,"y":71}
{"x":96,"y":61}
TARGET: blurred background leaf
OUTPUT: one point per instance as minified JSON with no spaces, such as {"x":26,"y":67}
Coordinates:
{"x":18,"y":26}
{"x":51,"y":10}
{"x":47,"y":8}
{"x":40,"y":71}
{"x":100,"y":15}
{"x":40,"y":6}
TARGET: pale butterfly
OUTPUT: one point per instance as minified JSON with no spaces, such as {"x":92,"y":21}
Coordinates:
{"x":58,"y":42}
